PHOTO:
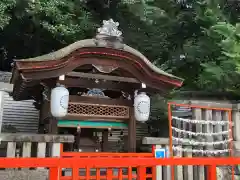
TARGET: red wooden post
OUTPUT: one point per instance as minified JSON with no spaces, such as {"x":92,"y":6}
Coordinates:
{"x":154,"y":173}
{"x":129,"y":172}
{"x":109,"y":174}
{"x":54,"y":173}
{"x":141,"y":173}
{"x":120,"y":175}
{"x":87,"y":173}
{"x":98,"y":174}
{"x":212,"y":172}
{"x":75,"y":173}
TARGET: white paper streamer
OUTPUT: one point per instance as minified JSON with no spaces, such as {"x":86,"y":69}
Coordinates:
{"x":201,"y":133}
{"x":198,"y":143}
{"x":194,"y":121}
{"x":195,"y":140}
{"x":201,"y":151}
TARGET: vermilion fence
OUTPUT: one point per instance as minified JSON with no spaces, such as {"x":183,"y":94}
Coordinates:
{"x":55,"y":165}
{"x":125,"y":172}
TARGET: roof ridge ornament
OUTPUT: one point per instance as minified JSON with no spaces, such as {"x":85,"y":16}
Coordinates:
{"x":109,"y":36}
{"x":110,"y":28}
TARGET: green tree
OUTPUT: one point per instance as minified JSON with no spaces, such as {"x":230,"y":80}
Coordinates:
{"x":31,"y":28}
{"x":5,"y":7}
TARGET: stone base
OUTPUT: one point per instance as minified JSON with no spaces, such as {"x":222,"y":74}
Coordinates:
{"x":24,"y":174}
{"x":224,"y":173}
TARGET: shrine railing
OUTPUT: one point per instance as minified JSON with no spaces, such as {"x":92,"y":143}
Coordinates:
{"x":55,"y":164}
{"x":32,"y":145}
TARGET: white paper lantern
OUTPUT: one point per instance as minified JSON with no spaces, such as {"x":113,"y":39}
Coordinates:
{"x":142,"y":107}
{"x":59,"y":101}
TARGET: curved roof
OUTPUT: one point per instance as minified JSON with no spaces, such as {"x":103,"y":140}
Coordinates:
{"x":86,"y":43}
{"x":105,"y":50}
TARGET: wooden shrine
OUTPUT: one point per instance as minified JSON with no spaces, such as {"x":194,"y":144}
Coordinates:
{"x":101,"y":75}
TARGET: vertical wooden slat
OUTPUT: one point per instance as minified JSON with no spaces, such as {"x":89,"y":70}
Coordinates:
{"x":188,"y":170}
{"x":198,"y":171}
{"x":87,"y":173}
{"x":11,"y":149}
{"x":53,"y":173}
{"x":56,"y":152}
{"x":129,"y":172}
{"x":41,"y":151}
{"x":208,"y":128}
{"x":120,"y":175}
{"x":217,"y":116}
{"x":75,"y":173}
{"x":212,"y":172}
{"x":236,"y":121}
{"x":232,"y":117}
{"x":159,"y":171}
{"x":236,"y":128}
{"x":234,"y":151}
{"x":167,"y":169}
{"x":178,"y":170}
{"x":154,"y":172}
{"x":26,"y":149}
{"x":56,"y":149}
{"x":110,"y":173}
{"x":141,"y":173}
{"x":98,"y":174}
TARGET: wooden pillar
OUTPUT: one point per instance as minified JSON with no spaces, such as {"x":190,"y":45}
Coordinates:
{"x":43,"y":117}
{"x":132,"y":132}
{"x":49,"y":122}
{"x":53,"y":123}
{"x":77,"y":139}
{"x":2,"y":94}
{"x":105,"y":140}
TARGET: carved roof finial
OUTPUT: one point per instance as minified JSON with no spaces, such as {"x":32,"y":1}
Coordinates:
{"x":110,"y":28}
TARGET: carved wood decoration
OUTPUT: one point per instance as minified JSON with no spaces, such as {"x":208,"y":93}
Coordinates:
{"x":105,"y":69}
{"x":98,"y":111}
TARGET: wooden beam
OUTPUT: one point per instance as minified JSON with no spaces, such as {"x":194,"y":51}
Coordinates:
{"x":90,"y":83}
{"x":105,"y":101}
{"x":103,"y":77}
{"x":95,"y":118}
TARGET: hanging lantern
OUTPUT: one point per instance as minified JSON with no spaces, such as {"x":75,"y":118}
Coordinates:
{"x":142,"y":107}
{"x":59,"y":101}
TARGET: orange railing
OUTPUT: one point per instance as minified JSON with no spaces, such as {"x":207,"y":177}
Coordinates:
{"x":55,"y":164}
{"x":109,"y":172}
